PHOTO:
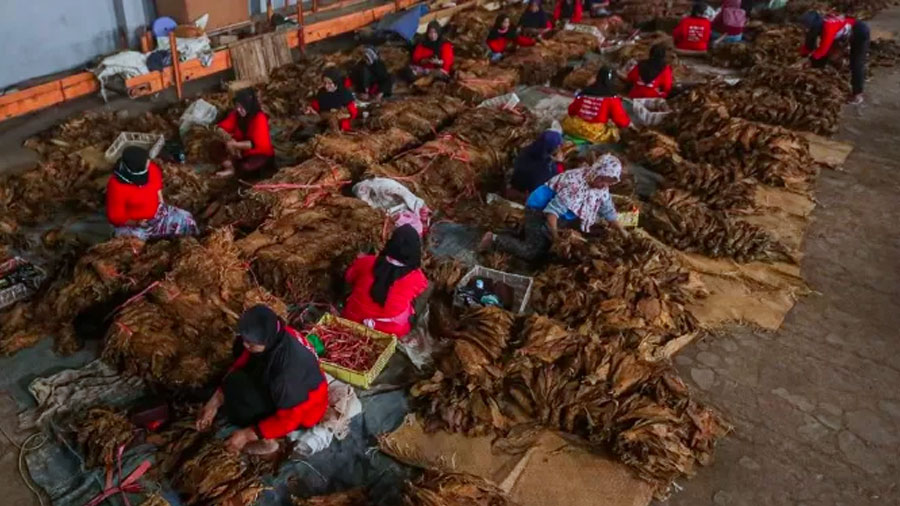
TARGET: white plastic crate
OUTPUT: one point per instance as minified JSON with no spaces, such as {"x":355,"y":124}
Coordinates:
{"x":651,"y":111}
{"x":521,"y":285}
{"x":152,"y":142}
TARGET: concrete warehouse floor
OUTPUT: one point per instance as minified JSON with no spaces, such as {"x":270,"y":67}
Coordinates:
{"x":815,"y":405}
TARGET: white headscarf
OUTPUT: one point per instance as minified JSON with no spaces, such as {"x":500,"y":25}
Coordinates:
{"x":574,"y":191}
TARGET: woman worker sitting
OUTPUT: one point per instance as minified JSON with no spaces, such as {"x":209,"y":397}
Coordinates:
{"x":501,"y":38}
{"x":385,"y":286}
{"x":693,"y":32}
{"x":134,"y":200}
{"x":579,"y":194}
{"x":433,"y":54}
{"x":567,"y":11}
{"x":273,"y":388}
{"x":728,"y":25}
{"x":371,"y":77}
{"x":249,"y":142}
{"x":537,"y":163}
{"x":534,"y":24}
{"x":593,"y":108}
{"x":651,"y":78}
{"x":335,"y":100}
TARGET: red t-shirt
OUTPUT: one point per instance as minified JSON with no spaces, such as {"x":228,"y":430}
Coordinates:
{"x":658,"y":88}
{"x":422,"y":53}
{"x":692,"y":34}
{"x":576,"y":11}
{"x":345,"y":123}
{"x":833,"y":28}
{"x":360,"y":305}
{"x":600,"y":110}
{"x":126,"y":202}
{"x":257,"y":133}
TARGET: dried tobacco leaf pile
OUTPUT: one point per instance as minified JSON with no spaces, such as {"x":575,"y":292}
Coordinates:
{"x":643,"y":11}
{"x":302,"y":254}
{"x":355,"y":497}
{"x":773,"y":45}
{"x":180,"y":333}
{"x":100,"y":431}
{"x":682,"y":221}
{"x":437,"y":488}
{"x":718,"y":187}
{"x":478,"y":80}
{"x":584,"y":384}
{"x":420,"y":116}
{"x":357,"y":150}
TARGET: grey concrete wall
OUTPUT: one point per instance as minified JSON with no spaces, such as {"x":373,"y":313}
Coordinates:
{"x":40,"y":37}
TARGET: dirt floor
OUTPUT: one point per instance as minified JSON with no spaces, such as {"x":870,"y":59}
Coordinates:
{"x":816,"y":405}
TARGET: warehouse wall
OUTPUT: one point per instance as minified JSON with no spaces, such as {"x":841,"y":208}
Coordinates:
{"x":40,"y":37}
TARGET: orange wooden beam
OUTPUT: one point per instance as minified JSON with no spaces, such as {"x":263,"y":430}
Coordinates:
{"x":176,"y":65}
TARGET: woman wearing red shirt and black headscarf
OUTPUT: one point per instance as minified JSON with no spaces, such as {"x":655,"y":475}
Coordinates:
{"x":534,"y":24}
{"x":593,"y":108}
{"x":502,"y":37}
{"x":134,"y":200}
{"x":335,"y":99}
{"x":651,"y":78}
{"x":568,"y":10}
{"x":825,"y":39}
{"x":433,"y":54}
{"x":694,"y":31}
{"x":274,"y":387}
{"x":384,"y":287}
{"x":247,"y":129}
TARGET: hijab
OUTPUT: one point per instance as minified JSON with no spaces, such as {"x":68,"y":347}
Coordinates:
{"x":434,"y":45}
{"x":698,"y":10}
{"x":534,"y":19}
{"x":132,"y":166}
{"x":371,"y":55}
{"x":650,"y":68}
{"x":496,"y":32}
{"x":732,"y":14}
{"x":337,"y":99}
{"x":813,"y":22}
{"x":602,"y":86}
{"x":246,"y":98}
{"x":535,"y":164}
{"x":573,"y":188}
{"x":401,"y":255}
{"x":289,"y":370}
{"x":567,"y":9}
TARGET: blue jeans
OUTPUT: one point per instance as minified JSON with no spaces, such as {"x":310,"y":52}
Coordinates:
{"x":729,"y":39}
{"x":495,"y":57}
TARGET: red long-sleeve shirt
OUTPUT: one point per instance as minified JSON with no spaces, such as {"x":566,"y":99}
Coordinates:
{"x":361,"y":306}
{"x":422,"y":53}
{"x":600,"y":110}
{"x":692,"y":34}
{"x":306,"y":414}
{"x":658,"y":88}
{"x":257,"y":133}
{"x":345,"y":123}
{"x":576,"y":11}
{"x":833,"y":28}
{"x":125,"y":202}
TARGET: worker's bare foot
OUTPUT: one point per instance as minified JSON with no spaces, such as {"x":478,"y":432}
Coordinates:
{"x":261,"y":447}
{"x":486,"y":241}
{"x":856,"y":99}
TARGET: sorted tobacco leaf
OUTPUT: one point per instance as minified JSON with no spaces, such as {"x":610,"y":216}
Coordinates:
{"x":357,"y":150}
{"x":180,"y":332}
{"x":419,"y":116}
{"x":774,"y":45}
{"x":643,"y":11}
{"x":438,"y":488}
{"x":478,"y":80}
{"x":100,"y":432}
{"x":302,"y":254}
{"x":683,"y":222}
{"x":213,"y":475}
{"x":155,"y":499}
{"x":354,"y":497}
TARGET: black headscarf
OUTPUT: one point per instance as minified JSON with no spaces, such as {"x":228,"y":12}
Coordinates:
{"x":650,"y":68}
{"x":247,"y":99}
{"x":287,"y":368}
{"x":337,"y":99}
{"x":603,"y":84}
{"x":132,"y":166}
{"x":567,"y":9}
{"x":813,"y":22}
{"x":534,"y":19}
{"x":495,"y":30}
{"x":434,"y":45}
{"x":698,"y":9}
{"x":404,"y":247}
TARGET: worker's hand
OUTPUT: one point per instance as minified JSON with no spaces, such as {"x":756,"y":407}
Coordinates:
{"x":344,"y":115}
{"x":312,"y":112}
{"x":240,"y":438}
{"x":364,"y":97}
{"x":208,"y":413}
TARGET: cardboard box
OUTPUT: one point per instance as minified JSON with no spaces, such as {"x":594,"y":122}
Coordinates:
{"x":221,"y":12}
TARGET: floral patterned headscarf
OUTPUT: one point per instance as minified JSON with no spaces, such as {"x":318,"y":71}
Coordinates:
{"x":574,"y":191}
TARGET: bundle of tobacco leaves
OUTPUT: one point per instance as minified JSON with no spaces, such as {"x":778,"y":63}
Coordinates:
{"x":302,"y":254}
{"x":100,"y":432}
{"x":357,"y":150}
{"x":478,"y":80}
{"x":420,"y":116}
{"x":773,"y":45}
{"x":718,"y":187}
{"x":354,"y":497}
{"x":438,"y":488}
{"x":180,"y":332}
{"x":682,"y":221}
{"x":643,"y":11}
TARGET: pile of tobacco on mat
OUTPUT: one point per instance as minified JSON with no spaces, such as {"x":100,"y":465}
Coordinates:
{"x":590,"y":355}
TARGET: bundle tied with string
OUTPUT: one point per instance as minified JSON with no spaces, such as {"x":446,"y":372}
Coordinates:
{"x":302,"y":254}
{"x":478,"y":80}
{"x":179,"y":332}
{"x":357,"y":149}
{"x":420,"y":116}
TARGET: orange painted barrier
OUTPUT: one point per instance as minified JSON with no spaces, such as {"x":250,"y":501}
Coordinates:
{"x":77,"y":85}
